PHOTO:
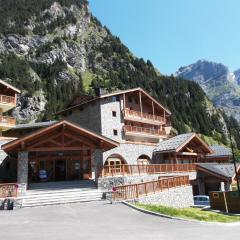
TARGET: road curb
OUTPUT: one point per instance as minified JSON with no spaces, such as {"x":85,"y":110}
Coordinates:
{"x":177,"y":218}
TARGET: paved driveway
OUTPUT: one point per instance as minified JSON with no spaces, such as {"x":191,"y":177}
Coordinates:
{"x":103,"y":221}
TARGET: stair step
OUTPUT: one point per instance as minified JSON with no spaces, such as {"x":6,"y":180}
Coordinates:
{"x":67,"y":191}
{"x":64,"y":202}
{"x":53,"y":193}
{"x":56,"y":197}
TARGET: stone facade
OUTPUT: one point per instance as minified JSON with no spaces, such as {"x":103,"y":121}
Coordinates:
{"x":108,"y":183}
{"x":98,"y":117}
{"x":110,"y":122}
{"x":88,"y":117}
{"x":22,"y":177}
{"x":179,"y":197}
{"x":130,"y":152}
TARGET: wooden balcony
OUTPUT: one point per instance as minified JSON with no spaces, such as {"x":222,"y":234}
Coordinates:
{"x":7,"y":102}
{"x":147,"y":169}
{"x":143,"y":131}
{"x":143,"y":117}
{"x":7,"y":122}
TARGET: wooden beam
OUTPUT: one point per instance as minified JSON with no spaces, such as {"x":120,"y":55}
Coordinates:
{"x":82,"y":140}
{"x":124,"y":102}
{"x":140,"y":100}
{"x":153,"y":110}
{"x":55,"y":149}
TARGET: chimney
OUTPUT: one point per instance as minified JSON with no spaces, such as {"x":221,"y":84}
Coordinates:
{"x":100,"y":91}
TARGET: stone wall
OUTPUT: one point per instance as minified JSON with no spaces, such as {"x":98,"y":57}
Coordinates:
{"x":109,"y":122}
{"x":88,"y":117}
{"x":130,"y":152}
{"x":179,"y":197}
{"x":109,"y":182}
{"x":22,"y":171}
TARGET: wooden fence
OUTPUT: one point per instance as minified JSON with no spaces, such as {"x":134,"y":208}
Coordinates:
{"x":8,"y":190}
{"x":134,"y":191}
{"x":130,"y":170}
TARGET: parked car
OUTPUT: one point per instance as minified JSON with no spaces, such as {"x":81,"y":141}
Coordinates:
{"x":201,"y":200}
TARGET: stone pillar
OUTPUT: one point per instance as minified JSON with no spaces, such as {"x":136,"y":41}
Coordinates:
{"x":201,"y":186}
{"x":22,"y":171}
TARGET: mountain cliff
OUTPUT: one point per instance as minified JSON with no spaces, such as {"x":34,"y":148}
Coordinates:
{"x":221,"y":85}
{"x":53,"y":50}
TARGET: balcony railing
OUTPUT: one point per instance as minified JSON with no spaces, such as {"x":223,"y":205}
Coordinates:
{"x":7,"y":120}
{"x":7,"y":99}
{"x":131,"y":170}
{"x":148,"y":131}
{"x":146,"y":116}
{"x":8,"y":190}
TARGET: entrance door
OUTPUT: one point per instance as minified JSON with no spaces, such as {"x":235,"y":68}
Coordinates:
{"x":60,"y":170}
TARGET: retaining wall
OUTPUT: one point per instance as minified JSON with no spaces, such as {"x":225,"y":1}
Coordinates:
{"x":179,"y":197}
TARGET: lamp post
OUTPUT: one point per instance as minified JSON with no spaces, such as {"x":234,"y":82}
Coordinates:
{"x":234,"y":159}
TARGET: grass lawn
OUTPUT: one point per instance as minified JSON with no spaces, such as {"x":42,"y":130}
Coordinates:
{"x":190,"y":213}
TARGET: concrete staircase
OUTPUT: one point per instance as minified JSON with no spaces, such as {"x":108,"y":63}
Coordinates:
{"x":53,"y":193}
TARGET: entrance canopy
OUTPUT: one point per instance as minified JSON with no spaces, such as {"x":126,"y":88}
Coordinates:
{"x":61,"y":136}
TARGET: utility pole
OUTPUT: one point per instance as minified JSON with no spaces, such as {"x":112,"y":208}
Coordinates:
{"x":234,"y":159}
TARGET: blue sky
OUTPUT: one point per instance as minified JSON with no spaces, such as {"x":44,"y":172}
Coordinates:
{"x":174,"y":33}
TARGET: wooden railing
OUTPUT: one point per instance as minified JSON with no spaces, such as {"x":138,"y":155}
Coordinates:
{"x":144,"y":130}
{"x":8,"y":190}
{"x":133,"y":113}
{"x":130,"y":170}
{"x":7,"y":99}
{"x":134,"y":191}
{"x":7,"y":120}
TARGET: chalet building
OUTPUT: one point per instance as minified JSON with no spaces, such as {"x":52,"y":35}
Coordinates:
{"x":131,"y":117}
{"x":8,"y":99}
{"x":107,"y":131}
{"x":210,"y":176}
{"x":184,"y":148}
{"x":65,"y":151}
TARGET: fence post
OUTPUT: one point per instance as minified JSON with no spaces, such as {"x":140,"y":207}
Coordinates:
{"x":145,"y":186}
{"x":138,"y":170}
{"x":137,"y":195}
{"x":153,"y":187}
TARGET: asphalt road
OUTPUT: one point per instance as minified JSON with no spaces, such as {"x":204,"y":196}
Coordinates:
{"x":101,"y":220}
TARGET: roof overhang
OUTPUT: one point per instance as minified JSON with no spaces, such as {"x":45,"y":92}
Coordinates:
{"x":24,"y":143}
{"x":116,"y":94}
{"x":9,"y":86}
{"x":204,"y":145}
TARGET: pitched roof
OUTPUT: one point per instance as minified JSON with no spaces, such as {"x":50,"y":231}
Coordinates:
{"x":219,"y":151}
{"x":33,"y":125}
{"x":115,"y":94}
{"x":176,"y":143}
{"x":9,"y":86}
{"x":221,"y":170}
{"x":106,"y":142}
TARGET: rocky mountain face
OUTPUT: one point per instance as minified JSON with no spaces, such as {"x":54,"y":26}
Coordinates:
{"x":54,"y":49}
{"x":221,"y":85}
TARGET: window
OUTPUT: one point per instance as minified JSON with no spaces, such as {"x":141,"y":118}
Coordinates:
{"x":136,"y":101}
{"x":114,"y":98}
{"x":129,"y":99}
{"x":114,"y":113}
{"x":115,"y":132}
